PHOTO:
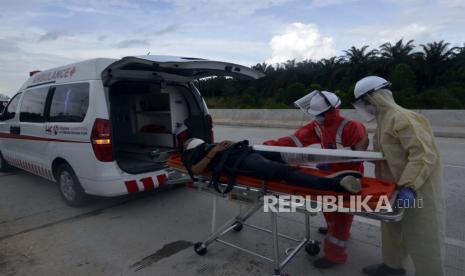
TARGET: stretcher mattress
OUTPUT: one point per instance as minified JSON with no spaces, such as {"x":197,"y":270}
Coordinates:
{"x":370,"y":186}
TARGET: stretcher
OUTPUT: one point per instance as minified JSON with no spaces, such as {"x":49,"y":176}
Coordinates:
{"x":251,"y":191}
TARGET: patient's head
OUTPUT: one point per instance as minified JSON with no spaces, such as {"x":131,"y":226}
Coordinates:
{"x":193,"y":143}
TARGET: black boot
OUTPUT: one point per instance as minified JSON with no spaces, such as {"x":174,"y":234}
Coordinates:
{"x":323,"y":230}
{"x":323,"y":263}
{"x":382,"y":270}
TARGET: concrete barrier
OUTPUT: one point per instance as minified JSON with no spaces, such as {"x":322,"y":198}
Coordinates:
{"x":445,"y":123}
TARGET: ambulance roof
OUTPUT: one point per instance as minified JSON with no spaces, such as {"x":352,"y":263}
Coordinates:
{"x":185,"y":68}
{"x":4,"y":98}
{"x":85,"y":70}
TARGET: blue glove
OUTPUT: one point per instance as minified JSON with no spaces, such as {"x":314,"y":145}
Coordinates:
{"x":406,"y":198}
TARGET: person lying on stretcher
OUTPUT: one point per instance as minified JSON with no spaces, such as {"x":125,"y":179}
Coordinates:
{"x":229,"y":157}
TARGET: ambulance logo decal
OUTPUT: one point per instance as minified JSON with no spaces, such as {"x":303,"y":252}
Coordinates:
{"x":52,"y":130}
{"x":55,"y":130}
{"x":54,"y":75}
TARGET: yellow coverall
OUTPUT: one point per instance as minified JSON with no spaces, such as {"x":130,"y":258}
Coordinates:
{"x":412,"y":160}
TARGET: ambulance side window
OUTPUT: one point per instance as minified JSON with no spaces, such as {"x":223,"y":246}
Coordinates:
{"x":33,"y":105}
{"x":3,"y":105}
{"x":10,"y":110}
{"x":69,"y":103}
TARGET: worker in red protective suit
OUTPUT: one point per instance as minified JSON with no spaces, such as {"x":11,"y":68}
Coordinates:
{"x":331,"y":131}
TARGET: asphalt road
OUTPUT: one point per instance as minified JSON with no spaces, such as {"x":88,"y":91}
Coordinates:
{"x":152,"y":234}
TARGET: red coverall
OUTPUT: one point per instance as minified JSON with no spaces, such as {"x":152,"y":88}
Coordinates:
{"x":351,"y":132}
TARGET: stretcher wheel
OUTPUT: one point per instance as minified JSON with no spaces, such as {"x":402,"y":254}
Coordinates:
{"x":312,"y":248}
{"x":238,"y":227}
{"x":200,"y":248}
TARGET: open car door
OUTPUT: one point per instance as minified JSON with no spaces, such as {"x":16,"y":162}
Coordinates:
{"x":169,"y":68}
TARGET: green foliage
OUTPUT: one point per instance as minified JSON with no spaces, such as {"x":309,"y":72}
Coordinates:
{"x":345,"y":99}
{"x":273,"y":104}
{"x":432,"y":78}
{"x":294,"y":92}
{"x":440,"y":98}
{"x":402,"y":77}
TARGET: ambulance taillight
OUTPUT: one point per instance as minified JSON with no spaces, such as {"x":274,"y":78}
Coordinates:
{"x":101,"y":140}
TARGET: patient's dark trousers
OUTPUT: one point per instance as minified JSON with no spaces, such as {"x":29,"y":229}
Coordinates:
{"x":269,"y":165}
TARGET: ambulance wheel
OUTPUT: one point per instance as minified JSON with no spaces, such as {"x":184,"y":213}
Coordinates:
{"x":200,"y":248}
{"x":238,"y":227}
{"x":70,"y":189}
{"x":4,"y":166}
{"x":312,"y":248}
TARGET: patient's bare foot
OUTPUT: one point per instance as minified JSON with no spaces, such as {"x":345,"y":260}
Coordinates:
{"x":356,"y":174}
{"x":351,"y":184}
{"x":349,"y":180}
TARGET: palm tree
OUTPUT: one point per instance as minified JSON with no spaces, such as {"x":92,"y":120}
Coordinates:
{"x":327,"y":70}
{"x":458,"y":63}
{"x":263,"y":68}
{"x":398,"y":52}
{"x":358,"y":56}
{"x":436,"y":52}
{"x":329,"y":63}
{"x":290,"y":64}
{"x":359,"y":61}
{"x":436,"y":56}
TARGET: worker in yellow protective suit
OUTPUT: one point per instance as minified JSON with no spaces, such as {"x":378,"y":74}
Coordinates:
{"x":412,"y":161}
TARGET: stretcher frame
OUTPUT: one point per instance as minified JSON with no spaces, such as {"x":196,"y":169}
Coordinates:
{"x":254,"y":198}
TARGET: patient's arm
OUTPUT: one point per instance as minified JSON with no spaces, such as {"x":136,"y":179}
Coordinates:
{"x":202,"y":165}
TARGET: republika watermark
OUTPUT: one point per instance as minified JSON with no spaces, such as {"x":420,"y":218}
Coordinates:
{"x":330,"y":203}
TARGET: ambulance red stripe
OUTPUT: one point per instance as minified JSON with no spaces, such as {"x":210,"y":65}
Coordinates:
{"x":36,"y":138}
{"x":161,"y":179}
{"x":131,"y":186}
{"x":148,"y":183}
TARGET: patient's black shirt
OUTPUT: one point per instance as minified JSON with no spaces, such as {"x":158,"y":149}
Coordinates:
{"x":193,"y":156}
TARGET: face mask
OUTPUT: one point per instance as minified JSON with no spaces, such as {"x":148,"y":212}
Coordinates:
{"x":365,"y":109}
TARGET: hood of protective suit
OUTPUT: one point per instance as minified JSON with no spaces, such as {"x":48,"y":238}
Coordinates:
{"x":383,"y":100}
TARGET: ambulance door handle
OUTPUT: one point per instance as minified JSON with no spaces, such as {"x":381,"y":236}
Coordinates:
{"x":15,"y":130}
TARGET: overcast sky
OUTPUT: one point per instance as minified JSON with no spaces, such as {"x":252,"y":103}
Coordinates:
{"x":45,"y":34}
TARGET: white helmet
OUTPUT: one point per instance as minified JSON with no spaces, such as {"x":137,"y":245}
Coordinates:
{"x":369,"y":84}
{"x":317,"y":102}
{"x":192,"y":143}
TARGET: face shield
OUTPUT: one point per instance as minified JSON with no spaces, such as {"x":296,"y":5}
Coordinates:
{"x":316,"y":103}
{"x":364,"y":108}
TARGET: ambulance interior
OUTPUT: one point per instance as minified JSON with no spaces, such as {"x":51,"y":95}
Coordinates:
{"x":148,"y":121}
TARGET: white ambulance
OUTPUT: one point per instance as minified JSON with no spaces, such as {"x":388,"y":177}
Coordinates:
{"x":106,"y":127}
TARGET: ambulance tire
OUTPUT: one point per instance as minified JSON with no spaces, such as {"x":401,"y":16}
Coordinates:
{"x":4,"y":166}
{"x":70,"y":189}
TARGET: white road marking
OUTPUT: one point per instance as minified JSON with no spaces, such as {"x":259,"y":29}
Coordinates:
{"x":454,"y":166}
{"x":448,"y":240}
